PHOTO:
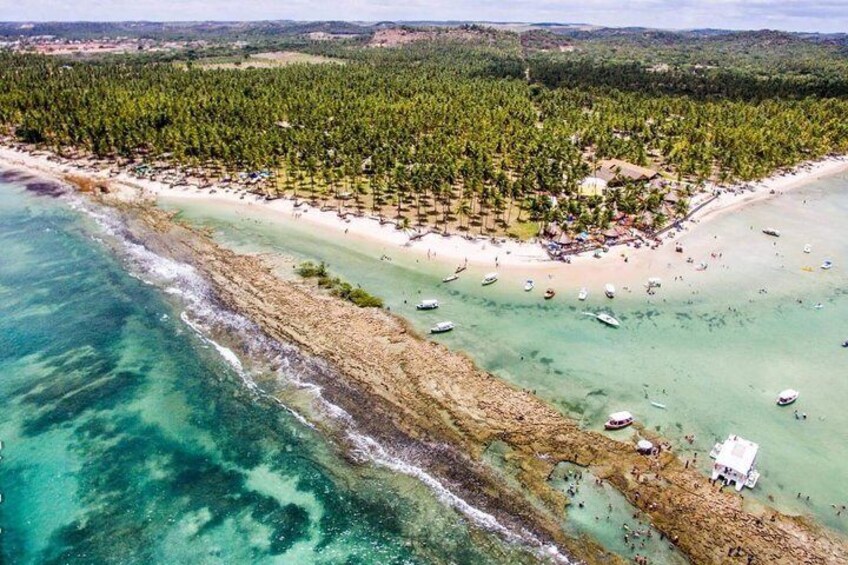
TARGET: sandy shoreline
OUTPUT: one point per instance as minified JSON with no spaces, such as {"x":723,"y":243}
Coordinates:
{"x":508,"y":256}
{"x":397,"y":385}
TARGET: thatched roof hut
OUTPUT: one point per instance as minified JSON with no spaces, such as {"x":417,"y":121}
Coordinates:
{"x":612,"y":170}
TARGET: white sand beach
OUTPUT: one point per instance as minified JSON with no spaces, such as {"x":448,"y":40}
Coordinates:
{"x":623,"y":264}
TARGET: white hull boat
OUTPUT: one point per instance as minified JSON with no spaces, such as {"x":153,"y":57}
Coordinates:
{"x":428,"y":305}
{"x":609,"y":290}
{"x":605,"y":318}
{"x":827,"y":264}
{"x":529,"y":285}
{"x":808,"y":248}
{"x":583,"y":294}
{"x":442,"y":327}
{"x":450,"y":278}
{"x":787,"y":397}
{"x":491,"y":278}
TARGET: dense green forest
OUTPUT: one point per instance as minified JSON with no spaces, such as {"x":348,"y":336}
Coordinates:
{"x":485,"y":132}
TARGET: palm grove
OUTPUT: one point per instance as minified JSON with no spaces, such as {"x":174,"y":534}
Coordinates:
{"x":450,"y":144}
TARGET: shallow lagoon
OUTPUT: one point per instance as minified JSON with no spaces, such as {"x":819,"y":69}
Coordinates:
{"x":715,"y":348}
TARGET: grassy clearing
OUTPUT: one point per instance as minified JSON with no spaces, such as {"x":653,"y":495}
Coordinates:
{"x":338,"y":287}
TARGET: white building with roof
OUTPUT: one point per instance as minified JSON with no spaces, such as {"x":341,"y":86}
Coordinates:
{"x":735,"y":459}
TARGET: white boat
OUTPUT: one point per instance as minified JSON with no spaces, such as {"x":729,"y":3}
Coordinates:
{"x":618,"y":420}
{"x":808,"y":248}
{"x":442,"y":327}
{"x":609,"y":290}
{"x":429,"y":304}
{"x":772,"y":232}
{"x":583,"y":294}
{"x":607,"y":319}
{"x":490,"y":279}
{"x":654,"y":282}
{"x":450,"y":278}
{"x":787,"y":397}
{"x":734,"y":462}
{"x":658,"y":405}
{"x":827,"y":264}
{"x":528,"y":285}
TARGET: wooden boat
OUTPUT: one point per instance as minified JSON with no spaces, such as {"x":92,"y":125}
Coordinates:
{"x":549,"y":293}
{"x":619,"y":420}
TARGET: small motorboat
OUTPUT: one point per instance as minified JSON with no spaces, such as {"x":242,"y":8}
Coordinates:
{"x":808,"y":248}
{"x":787,"y":397}
{"x":549,"y":293}
{"x":460,"y":268}
{"x":491,"y":278}
{"x":659,"y":405}
{"x":618,"y":420}
{"x":429,"y":304}
{"x":772,"y":232}
{"x":609,"y":290}
{"x":450,"y":278}
{"x":818,"y":306}
{"x":607,"y":319}
{"x":529,"y":285}
{"x":583,"y":294}
{"x":442,"y":327}
{"x":827,"y":264}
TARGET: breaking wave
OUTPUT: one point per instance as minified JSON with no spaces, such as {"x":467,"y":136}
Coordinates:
{"x":205,"y":317}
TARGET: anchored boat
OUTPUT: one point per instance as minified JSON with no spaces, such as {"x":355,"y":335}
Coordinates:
{"x":607,"y":319}
{"x":430,"y":304}
{"x":734,"y":462}
{"x":772,"y":232}
{"x":549,"y":293}
{"x":442,"y":327}
{"x":450,"y":278}
{"x":491,"y":278}
{"x":787,"y":397}
{"x":609,"y":290}
{"x":583,"y":294}
{"x":618,"y":420}
{"x":529,"y":285}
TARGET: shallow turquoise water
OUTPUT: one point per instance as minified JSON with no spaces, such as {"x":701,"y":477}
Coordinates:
{"x":716,"y":354}
{"x":127,"y":437}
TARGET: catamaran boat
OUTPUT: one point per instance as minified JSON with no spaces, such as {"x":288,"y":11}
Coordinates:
{"x":827,"y":264}
{"x":787,"y":397}
{"x":450,"y":278}
{"x":609,"y":290}
{"x":491,"y":278}
{"x":808,"y":248}
{"x":772,"y":232}
{"x":550,"y":293}
{"x":605,"y":318}
{"x":442,"y":327}
{"x":734,"y":462}
{"x":583,"y":294}
{"x":429,"y":304}
{"x":528,"y":285}
{"x":618,"y":420}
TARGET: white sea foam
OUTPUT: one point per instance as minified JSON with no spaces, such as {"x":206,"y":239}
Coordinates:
{"x":202,"y":314}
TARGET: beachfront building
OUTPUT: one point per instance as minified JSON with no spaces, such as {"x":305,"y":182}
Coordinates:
{"x":734,"y":462}
{"x":614,"y":171}
{"x":592,"y":186}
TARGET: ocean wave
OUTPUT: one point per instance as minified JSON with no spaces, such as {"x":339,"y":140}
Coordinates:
{"x":205,"y":317}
